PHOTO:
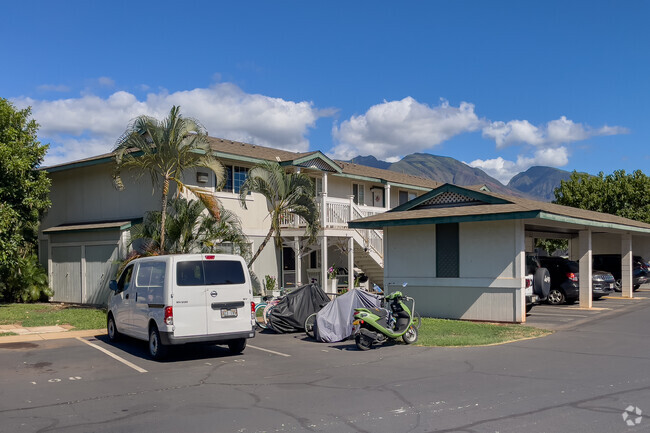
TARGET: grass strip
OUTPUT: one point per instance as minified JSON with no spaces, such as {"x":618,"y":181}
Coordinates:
{"x":442,"y":332}
{"x":43,"y":314}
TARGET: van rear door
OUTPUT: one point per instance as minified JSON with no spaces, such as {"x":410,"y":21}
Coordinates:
{"x":189,"y":299}
{"x":211,"y":296}
{"x":228,"y":296}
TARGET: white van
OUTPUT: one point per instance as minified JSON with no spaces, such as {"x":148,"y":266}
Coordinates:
{"x":177,"y":299}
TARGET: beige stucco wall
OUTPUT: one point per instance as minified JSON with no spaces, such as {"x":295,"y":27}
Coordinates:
{"x":490,"y":271}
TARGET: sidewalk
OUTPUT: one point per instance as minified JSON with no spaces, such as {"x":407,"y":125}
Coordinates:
{"x":44,"y":333}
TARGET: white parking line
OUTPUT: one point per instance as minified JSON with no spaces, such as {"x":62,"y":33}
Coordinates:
{"x":114,"y":356}
{"x":537,"y":313}
{"x":267,"y":350}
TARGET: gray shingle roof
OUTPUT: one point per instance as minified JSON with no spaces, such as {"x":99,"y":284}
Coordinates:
{"x":513,"y":208}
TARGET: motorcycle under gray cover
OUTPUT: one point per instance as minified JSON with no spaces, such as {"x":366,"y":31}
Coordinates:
{"x":334,"y":321}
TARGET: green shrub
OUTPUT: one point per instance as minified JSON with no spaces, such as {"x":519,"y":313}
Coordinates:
{"x":27,"y":282}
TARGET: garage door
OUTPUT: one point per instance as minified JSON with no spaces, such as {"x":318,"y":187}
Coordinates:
{"x":100,"y":269}
{"x":66,"y":274}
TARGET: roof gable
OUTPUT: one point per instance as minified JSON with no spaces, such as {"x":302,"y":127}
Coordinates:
{"x":315,"y":160}
{"x":449,"y":195}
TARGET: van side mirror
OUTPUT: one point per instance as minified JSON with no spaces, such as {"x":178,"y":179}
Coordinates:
{"x":112,"y":285}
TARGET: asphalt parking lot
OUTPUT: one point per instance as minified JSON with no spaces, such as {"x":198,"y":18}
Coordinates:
{"x":563,"y":317}
{"x":288,"y":383}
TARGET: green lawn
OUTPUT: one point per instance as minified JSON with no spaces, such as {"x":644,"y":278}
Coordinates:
{"x":441,"y":332}
{"x":29,"y":315}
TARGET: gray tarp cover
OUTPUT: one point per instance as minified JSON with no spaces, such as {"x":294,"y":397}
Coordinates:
{"x":334,"y":321}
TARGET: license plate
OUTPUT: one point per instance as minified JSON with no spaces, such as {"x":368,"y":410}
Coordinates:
{"x":228,"y":312}
{"x":611,"y":285}
{"x":529,"y":291}
{"x":356,"y":322}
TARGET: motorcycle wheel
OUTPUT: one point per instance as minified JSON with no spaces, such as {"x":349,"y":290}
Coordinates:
{"x":411,"y":335}
{"x":362,"y":342}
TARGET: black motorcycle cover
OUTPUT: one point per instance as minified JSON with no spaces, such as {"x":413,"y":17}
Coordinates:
{"x":290,"y":313}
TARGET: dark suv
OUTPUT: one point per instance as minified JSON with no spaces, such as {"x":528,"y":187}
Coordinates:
{"x":612,"y":263}
{"x":565,"y":285}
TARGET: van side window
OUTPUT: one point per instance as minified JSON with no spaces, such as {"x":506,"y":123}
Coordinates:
{"x":151,"y":274}
{"x":125,"y":279}
{"x":209,"y":272}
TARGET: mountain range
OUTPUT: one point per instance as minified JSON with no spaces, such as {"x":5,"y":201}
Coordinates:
{"x":537,"y":182}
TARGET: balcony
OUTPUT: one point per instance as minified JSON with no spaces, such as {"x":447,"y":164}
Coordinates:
{"x":338,"y":212}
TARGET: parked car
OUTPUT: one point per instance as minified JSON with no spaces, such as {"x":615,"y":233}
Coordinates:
{"x":538,"y":282}
{"x":186,"y":298}
{"x":565,"y":277}
{"x":612,"y":263}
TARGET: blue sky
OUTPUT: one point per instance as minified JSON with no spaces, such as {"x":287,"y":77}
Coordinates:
{"x":498,"y":85}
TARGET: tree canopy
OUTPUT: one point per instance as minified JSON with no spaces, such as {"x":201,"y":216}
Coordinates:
{"x":165,"y":149}
{"x":286,"y":193}
{"x":191,"y":230}
{"x":24,"y":197}
{"x":619,"y":193}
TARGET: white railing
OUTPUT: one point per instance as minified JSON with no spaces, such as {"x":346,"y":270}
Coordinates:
{"x":338,"y":212}
{"x":373,"y":239}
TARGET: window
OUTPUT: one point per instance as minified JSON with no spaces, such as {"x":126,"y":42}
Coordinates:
{"x":358,"y":191}
{"x":405,"y":196}
{"x":125,"y":280}
{"x":235,"y":178}
{"x":209,"y":273}
{"x":313,"y":260}
{"x":230,"y":248}
{"x":318,"y":186}
{"x":447,"y":250}
{"x":151,"y":274}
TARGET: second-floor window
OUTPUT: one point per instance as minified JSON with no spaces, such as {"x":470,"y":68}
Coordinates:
{"x":359,"y":193}
{"x":235,"y":178}
{"x":405,"y":196}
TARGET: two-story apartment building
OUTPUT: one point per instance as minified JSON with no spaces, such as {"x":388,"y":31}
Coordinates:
{"x":87,"y":231}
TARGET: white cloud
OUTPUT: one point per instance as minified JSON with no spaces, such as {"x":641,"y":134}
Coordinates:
{"x":106,"y":81}
{"x":60,"y":88}
{"x":90,"y":125}
{"x":503,"y":170}
{"x":555,"y":132}
{"x":396,"y":128}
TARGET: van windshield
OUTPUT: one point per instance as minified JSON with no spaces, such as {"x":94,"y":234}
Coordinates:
{"x":209,"y":272}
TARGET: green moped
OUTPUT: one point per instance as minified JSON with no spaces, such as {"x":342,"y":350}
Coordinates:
{"x":376,"y":325}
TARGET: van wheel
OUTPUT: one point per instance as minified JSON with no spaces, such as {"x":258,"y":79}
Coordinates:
{"x":237,"y":346}
{"x":157,"y":350}
{"x":111,"y":328}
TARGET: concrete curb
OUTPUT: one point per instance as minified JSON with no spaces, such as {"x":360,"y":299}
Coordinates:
{"x":51,"y":336}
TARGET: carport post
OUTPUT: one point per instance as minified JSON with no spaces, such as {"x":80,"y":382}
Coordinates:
{"x":626,"y":265}
{"x":584,"y":239}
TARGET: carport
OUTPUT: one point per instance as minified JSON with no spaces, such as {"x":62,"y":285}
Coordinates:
{"x":462,"y":249}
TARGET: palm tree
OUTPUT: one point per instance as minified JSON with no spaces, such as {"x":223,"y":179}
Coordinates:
{"x":190,"y":230}
{"x":165,"y":149}
{"x":285,"y":193}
